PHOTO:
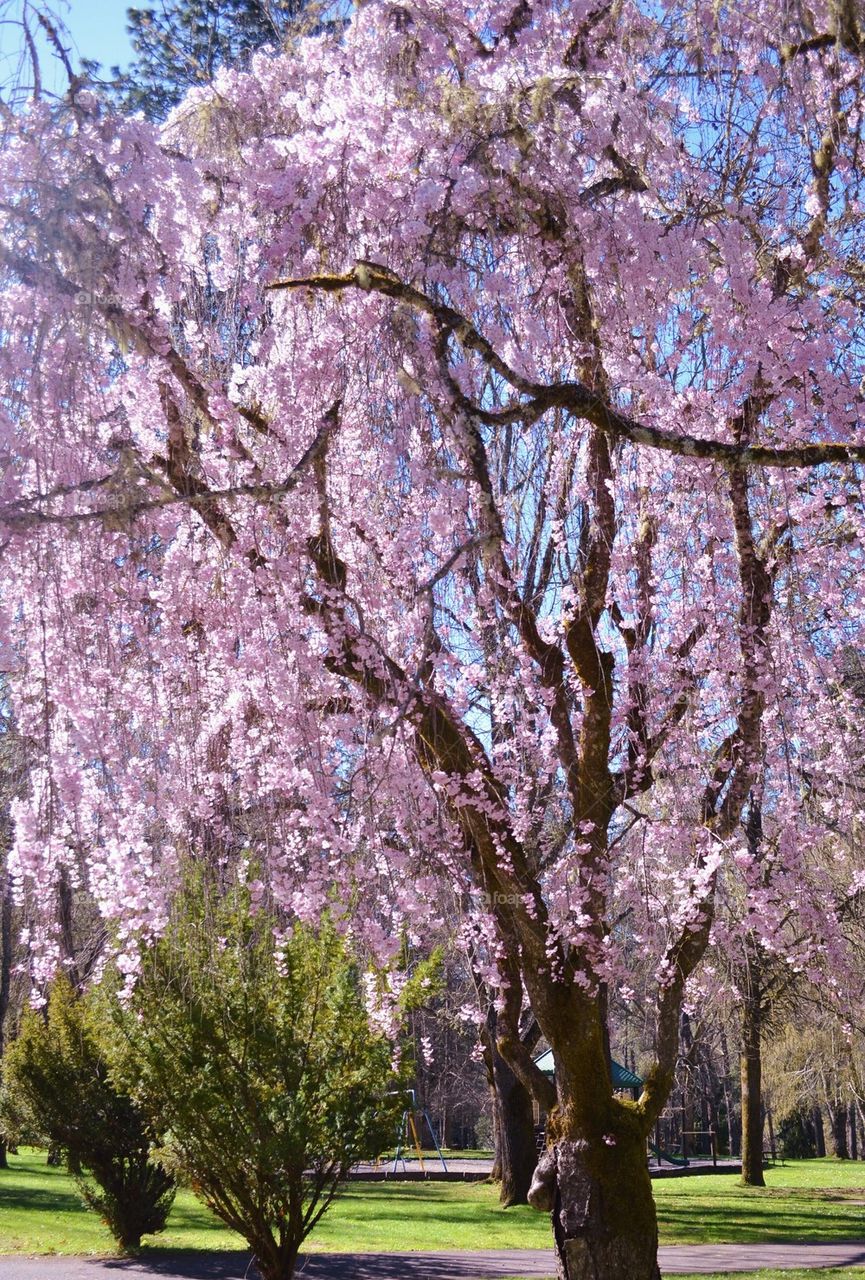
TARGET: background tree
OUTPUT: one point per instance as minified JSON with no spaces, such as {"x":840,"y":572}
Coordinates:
{"x":449,"y":1078}
{"x":813,"y":1066}
{"x":770,"y":956}
{"x":57,"y":1084}
{"x":181,"y":44}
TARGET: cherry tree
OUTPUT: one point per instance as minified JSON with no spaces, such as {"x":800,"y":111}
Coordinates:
{"x":431,"y":458}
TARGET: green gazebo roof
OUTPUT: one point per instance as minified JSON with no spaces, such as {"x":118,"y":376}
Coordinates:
{"x":622,"y":1077}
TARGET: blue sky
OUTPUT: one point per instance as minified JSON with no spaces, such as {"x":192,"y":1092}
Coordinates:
{"x":98,"y":29}
{"x":94,"y":29}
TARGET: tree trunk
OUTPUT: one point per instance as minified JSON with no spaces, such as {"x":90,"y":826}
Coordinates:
{"x":5,"y":951}
{"x":838,"y":1115}
{"x":854,"y":1136}
{"x":772,"y":1145}
{"x":496,"y":1173}
{"x":518,"y":1153}
{"x":5,"y":975}
{"x":752,"y":1110}
{"x":819,"y":1135}
{"x":275,"y":1261}
{"x":513,"y":1123}
{"x":733,"y":1128}
{"x":600,"y":1200}
{"x":856,"y":1110}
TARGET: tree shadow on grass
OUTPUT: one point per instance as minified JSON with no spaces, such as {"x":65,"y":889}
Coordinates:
{"x":41,"y":1200}
{"x":760,"y":1219}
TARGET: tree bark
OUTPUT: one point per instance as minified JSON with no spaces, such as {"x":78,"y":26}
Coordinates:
{"x":819,"y":1135}
{"x":599,"y":1196}
{"x":5,"y":976}
{"x":496,"y":1173}
{"x":752,"y":1109}
{"x":860,"y":1117}
{"x":854,"y":1136}
{"x":514,"y":1127}
{"x":5,"y":952}
{"x":593,"y":1178}
{"x":772,"y":1145}
{"x":518,"y":1153}
{"x":838,"y":1114}
{"x":276,"y":1260}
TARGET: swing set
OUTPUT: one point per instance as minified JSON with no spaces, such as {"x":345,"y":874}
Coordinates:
{"x":408,"y":1126}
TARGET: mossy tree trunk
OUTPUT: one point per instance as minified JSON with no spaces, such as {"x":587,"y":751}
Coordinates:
{"x":602,"y":1210}
{"x":593,"y":1177}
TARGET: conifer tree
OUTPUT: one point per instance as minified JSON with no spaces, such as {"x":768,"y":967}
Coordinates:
{"x":182,"y":43}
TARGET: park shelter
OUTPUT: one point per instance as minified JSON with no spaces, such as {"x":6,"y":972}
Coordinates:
{"x":623,"y":1077}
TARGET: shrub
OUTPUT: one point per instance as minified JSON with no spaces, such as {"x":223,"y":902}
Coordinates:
{"x":57,"y":1085}
{"x":283,"y":1083}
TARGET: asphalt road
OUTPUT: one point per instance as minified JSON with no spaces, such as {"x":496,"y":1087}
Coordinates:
{"x":675,"y":1260}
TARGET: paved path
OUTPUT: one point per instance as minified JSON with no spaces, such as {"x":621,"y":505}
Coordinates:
{"x":478,"y":1170}
{"x":675,"y":1260}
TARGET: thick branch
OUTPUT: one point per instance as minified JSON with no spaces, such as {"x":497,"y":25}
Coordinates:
{"x":514,"y":1048}
{"x":574,"y":397}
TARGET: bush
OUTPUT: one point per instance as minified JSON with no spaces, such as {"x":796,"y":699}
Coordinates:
{"x":57,"y":1086}
{"x":283,"y":1083}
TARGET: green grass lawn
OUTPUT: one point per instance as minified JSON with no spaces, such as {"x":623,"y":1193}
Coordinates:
{"x":41,"y":1212}
{"x":809,"y":1200}
{"x":813,"y":1200}
{"x":825,"y":1273}
{"x":822,"y":1273}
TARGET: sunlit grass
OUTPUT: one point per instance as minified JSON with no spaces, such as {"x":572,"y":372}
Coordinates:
{"x":824,"y":1273}
{"x":41,"y":1212}
{"x":820,"y":1273}
{"x":809,"y":1200}
{"x":816,"y":1200}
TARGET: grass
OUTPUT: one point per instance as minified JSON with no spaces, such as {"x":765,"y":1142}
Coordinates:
{"x":822,"y":1273}
{"x":815,"y":1200}
{"x":41,"y":1212}
{"x":808,"y":1201}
